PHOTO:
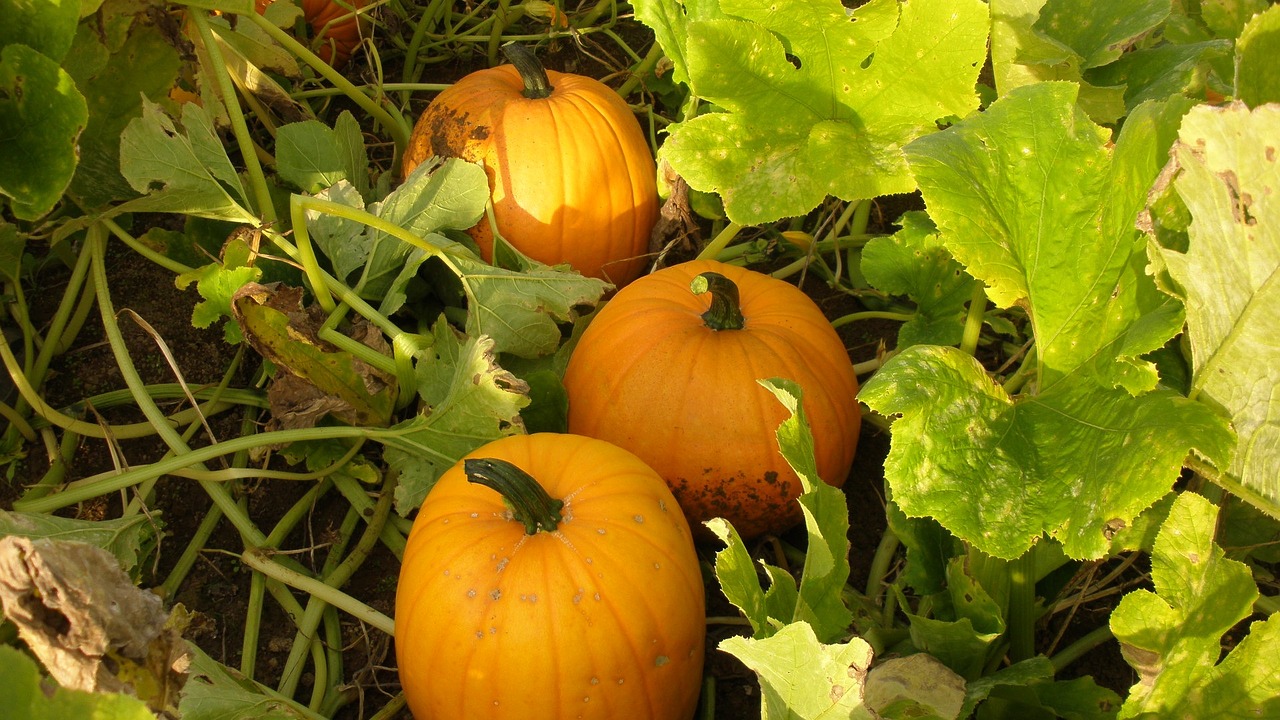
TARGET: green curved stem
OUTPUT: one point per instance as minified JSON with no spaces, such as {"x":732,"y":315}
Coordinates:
{"x":257,"y":560}
{"x":720,"y":241}
{"x":204,"y":531}
{"x":1080,"y":647}
{"x":872,"y":315}
{"x":530,"y":503}
{"x":310,"y":265}
{"x":973,"y":321}
{"x":642,"y":70}
{"x":725,"y":312}
{"x":390,"y":119}
{"x":880,"y":564}
{"x":239,"y":128}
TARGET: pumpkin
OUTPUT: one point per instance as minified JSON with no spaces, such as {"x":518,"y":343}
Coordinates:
{"x":570,"y":171}
{"x":670,"y":373}
{"x":334,"y":24}
{"x":571,"y":592}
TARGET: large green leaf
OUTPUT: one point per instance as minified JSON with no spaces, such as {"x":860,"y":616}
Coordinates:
{"x":468,"y":400}
{"x":669,"y":20}
{"x":46,"y":26}
{"x":41,"y":115}
{"x":129,"y":539}
{"x":115,"y":76}
{"x":1257,"y":77}
{"x":817,"y":602}
{"x":181,"y":171}
{"x":999,"y":472}
{"x":1228,"y":166}
{"x":1098,"y":31}
{"x":26,"y":697}
{"x":1173,"y":636}
{"x":804,"y":679}
{"x":1033,"y":200}
{"x":835,"y":125}
{"x":913,"y":262}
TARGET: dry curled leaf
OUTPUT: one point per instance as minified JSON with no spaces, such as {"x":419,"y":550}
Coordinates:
{"x":93,"y":630}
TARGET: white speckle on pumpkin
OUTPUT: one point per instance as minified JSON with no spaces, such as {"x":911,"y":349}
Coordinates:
{"x":599,"y":531}
{"x":446,"y":573}
{"x":638,"y":518}
{"x":595,"y":681}
{"x":596,"y":597}
{"x":621,"y":680}
{"x":475,"y":515}
{"x":577,"y":597}
{"x":480,"y":634}
{"x":657,"y":566}
{"x":502,"y":564}
{"x":471,"y":593}
{"x":661,"y":660}
{"x":496,"y":594}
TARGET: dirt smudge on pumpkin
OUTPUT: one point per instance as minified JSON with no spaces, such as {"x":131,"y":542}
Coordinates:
{"x":453,"y":132}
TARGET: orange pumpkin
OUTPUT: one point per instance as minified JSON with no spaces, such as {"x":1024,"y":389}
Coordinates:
{"x":671,"y":375}
{"x":334,"y":24}
{"x":573,"y":595}
{"x":571,"y":174}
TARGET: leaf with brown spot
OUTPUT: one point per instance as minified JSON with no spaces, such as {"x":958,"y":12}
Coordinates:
{"x":315,"y":377}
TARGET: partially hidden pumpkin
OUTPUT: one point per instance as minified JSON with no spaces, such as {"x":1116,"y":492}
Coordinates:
{"x":335,"y":26}
{"x":570,"y":171}
{"x":574,"y":592}
{"x":671,"y":375}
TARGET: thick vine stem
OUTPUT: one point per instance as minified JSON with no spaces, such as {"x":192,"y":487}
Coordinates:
{"x":725,"y":312}
{"x":536,"y":84}
{"x":528,"y":499}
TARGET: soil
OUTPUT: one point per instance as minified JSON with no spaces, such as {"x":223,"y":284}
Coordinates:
{"x":217,"y":589}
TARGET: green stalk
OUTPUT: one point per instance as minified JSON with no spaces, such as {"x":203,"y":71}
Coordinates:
{"x":880,"y":563}
{"x":1080,"y":647}
{"x":643,"y":70}
{"x":1021,"y":623}
{"x":145,"y":251}
{"x":529,"y":501}
{"x":252,"y":624}
{"x":57,"y":471}
{"x":391,"y":709}
{"x":872,"y":315}
{"x":720,"y":241}
{"x":429,"y":16}
{"x":239,"y":128}
{"x":973,"y":321}
{"x":331,"y":697}
{"x":313,"y":614}
{"x":257,"y":560}
{"x":310,"y":265}
{"x":725,"y":312}
{"x":393,"y":533}
{"x":186,"y":561}
{"x":391,"y":120}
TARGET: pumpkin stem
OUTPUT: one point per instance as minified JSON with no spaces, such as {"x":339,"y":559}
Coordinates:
{"x":725,"y":312}
{"x":526,"y":496}
{"x":536,"y":84}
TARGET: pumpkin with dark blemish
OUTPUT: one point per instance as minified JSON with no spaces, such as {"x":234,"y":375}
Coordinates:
{"x":573,"y":591}
{"x":659,"y":373}
{"x":570,"y":171}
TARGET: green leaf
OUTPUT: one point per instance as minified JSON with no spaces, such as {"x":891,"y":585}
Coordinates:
{"x":818,"y":601}
{"x":26,"y":697}
{"x":1172,"y":636}
{"x":435,"y":197}
{"x":46,"y":26}
{"x":181,"y":171}
{"x":1064,"y":462}
{"x":467,"y":399}
{"x":315,"y":378}
{"x":355,"y":158}
{"x":1226,"y":18}
{"x":1228,"y":175}
{"x":915,"y":687}
{"x":145,"y":64}
{"x":344,"y":241}
{"x":803,"y":679}
{"x":791,"y":136}
{"x":669,"y":20}
{"x":1033,"y":670}
{"x":826,"y":520}
{"x":1159,"y":72}
{"x":521,"y":310}
{"x":1098,"y":31}
{"x":1257,"y":77}
{"x":217,"y":283}
{"x":129,"y":539}
{"x":41,"y":115}
{"x":1077,"y":699}
{"x":217,"y":692}
{"x":914,"y":262}
{"x":307,"y":155}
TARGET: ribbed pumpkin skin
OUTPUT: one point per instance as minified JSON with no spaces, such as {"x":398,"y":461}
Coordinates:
{"x":648,"y":375}
{"x":337,"y":41}
{"x":603,"y":618}
{"x":572,"y":177}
